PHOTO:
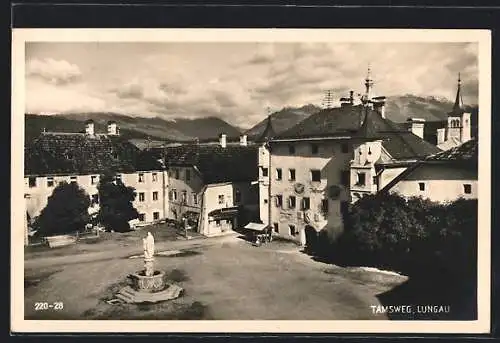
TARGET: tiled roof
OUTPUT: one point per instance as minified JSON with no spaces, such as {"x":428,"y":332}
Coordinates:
{"x":466,"y":152}
{"x":450,"y":143}
{"x":76,"y":153}
{"x":215,"y":163}
{"x":364,"y":123}
{"x":406,"y":145}
{"x":463,"y":156}
{"x":329,"y":122}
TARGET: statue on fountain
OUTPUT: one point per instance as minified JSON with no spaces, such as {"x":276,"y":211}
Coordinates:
{"x":149,"y":251}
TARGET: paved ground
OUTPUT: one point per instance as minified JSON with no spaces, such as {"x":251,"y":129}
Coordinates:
{"x":227,"y":277}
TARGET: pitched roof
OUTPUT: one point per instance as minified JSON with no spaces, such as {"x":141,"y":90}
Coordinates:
{"x":364,"y":123}
{"x":336,"y":121}
{"x":268,"y":132}
{"x":215,"y":163}
{"x":458,"y":106}
{"x":76,"y":153}
{"x":406,"y":145}
{"x":463,"y":156}
{"x":466,"y":152}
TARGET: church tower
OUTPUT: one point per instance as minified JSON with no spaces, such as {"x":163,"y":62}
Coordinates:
{"x":459,"y":125}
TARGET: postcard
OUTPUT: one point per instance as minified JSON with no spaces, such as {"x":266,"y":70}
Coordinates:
{"x":251,"y":180}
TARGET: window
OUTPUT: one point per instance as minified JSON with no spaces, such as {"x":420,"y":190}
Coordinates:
{"x":50,"y":182}
{"x":93,"y":179}
{"x":292,"y":230}
{"x":276,"y":228}
{"x":315,"y":175}
{"x":174,"y":194}
{"x":217,"y":223}
{"x":345,"y":177}
{"x":324,"y":206}
{"x":184,"y":197}
{"x":345,"y":148}
{"x":141,"y":177}
{"x":176,"y":173}
{"x":291,"y":174}
{"x":94,"y":200}
{"x":421,"y":186}
{"x":32,"y":181}
{"x":72,"y":179}
{"x":155,"y":196}
{"x":142,"y":217}
{"x":467,"y":189}
{"x":188,"y":175}
{"x":237,"y":196}
{"x":292,"y":201}
{"x":154,"y":177}
{"x":279,"y":174}
{"x":171,"y":195}
{"x":195,"y":198}
{"x":265,"y":172}
{"x":306,"y":203}
{"x":265,"y":201}
{"x":291,"y":149}
{"x":221,"y":199}
{"x":279,"y":200}
{"x":141,"y":196}
{"x":361,"y":179}
{"x":156,"y":215}
{"x":314,"y":149}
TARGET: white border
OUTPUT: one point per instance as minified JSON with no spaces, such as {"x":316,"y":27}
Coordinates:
{"x":20,"y":36}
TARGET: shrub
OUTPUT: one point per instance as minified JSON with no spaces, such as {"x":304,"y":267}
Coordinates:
{"x":66,"y":211}
{"x":116,"y":208}
{"x":410,"y":235}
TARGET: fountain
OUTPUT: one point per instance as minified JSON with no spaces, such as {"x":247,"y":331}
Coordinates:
{"x":148,"y":285}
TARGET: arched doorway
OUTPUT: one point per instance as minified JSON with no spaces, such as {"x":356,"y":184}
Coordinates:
{"x":311,"y":238}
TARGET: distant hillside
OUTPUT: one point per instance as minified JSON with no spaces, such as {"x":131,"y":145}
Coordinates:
{"x":283,"y":119}
{"x":400,"y":108}
{"x":131,"y":127}
{"x":205,"y":128}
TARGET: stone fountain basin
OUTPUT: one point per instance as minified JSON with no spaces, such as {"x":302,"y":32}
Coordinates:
{"x":153,"y":283}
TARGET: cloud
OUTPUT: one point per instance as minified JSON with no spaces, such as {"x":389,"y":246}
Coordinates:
{"x":42,"y":97}
{"x":130,"y":91}
{"x":58,"y":72}
{"x":237,"y":82}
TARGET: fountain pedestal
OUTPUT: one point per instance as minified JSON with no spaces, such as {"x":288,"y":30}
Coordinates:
{"x":148,"y":280}
{"x":148,"y":285}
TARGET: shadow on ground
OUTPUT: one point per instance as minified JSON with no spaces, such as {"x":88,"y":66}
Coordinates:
{"x":458,"y":298}
{"x":424,"y":291}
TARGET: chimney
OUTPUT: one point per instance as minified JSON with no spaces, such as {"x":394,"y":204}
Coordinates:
{"x":351,"y":97}
{"x":416,"y":126}
{"x":379,"y":105}
{"x":89,"y":127}
{"x":112,"y":128}
{"x":222,"y":140}
{"x":243,"y":140}
{"x":440,"y":133}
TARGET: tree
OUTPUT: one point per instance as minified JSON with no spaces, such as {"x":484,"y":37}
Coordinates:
{"x":115,"y":203}
{"x":66,"y":211}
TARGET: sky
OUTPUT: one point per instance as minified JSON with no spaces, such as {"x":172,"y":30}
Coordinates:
{"x":237,"y":82}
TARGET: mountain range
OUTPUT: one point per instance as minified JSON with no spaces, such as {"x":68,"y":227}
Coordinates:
{"x":399,"y":109}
